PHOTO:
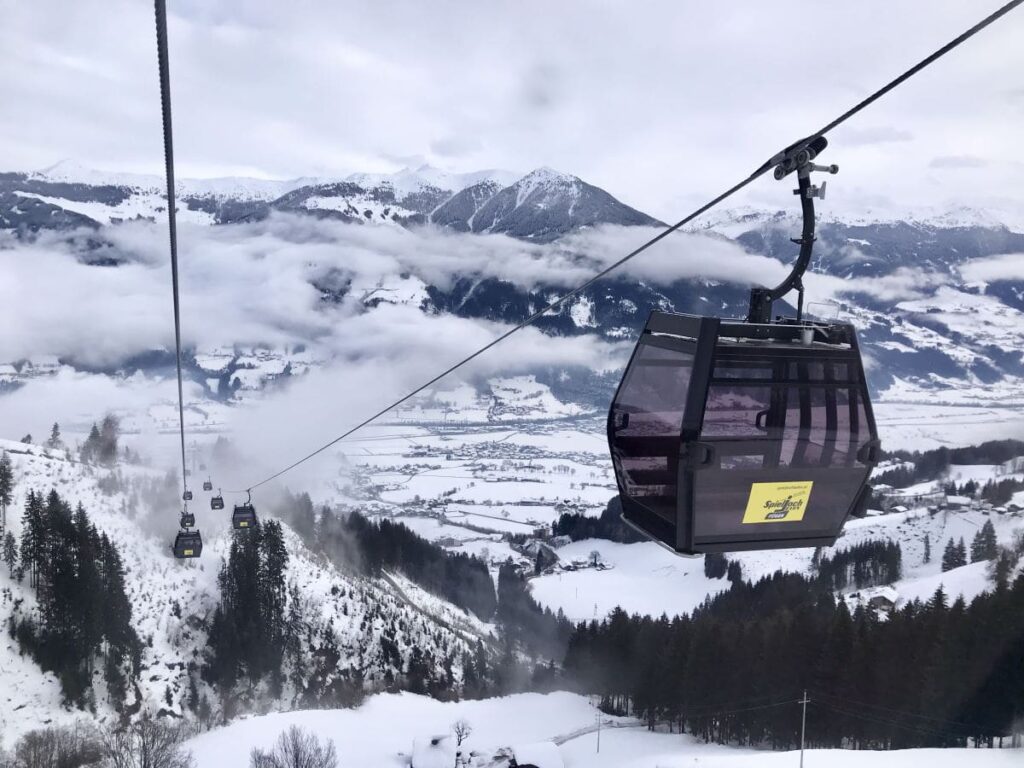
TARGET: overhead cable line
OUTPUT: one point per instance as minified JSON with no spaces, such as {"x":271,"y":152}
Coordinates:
{"x":921,"y":730}
{"x":767,"y":166}
{"x":165,"y":108}
{"x":744,"y":709}
{"x":889,"y":710}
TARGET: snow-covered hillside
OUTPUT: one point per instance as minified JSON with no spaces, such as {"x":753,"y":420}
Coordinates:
{"x":383,"y":731}
{"x":172,"y":600}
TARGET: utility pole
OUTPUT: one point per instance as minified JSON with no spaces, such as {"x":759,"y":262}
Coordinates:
{"x":599,"y":729}
{"x":803,"y":727}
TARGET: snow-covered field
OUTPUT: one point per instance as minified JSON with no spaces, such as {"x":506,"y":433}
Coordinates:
{"x":641,"y":578}
{"x":646,"y":578}
{"x":382,"y":732}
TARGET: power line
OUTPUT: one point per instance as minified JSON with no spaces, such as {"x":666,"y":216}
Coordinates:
{"x":889,"y":710}
{"x":921,"y":730}
{"x":657,"y":238}
{"x":768,"y":699}
{"x":744,"y":709}
{"x":165,"y":108}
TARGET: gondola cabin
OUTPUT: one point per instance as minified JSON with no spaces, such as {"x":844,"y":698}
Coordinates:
{"x":244,"y":517}
{"x":187,"y":496}
{"x":188,"y":544}
{"x":207,"y":485}
{"x":217,"y":502}
{"x":729,"y":436}
{"x":188,"y":520}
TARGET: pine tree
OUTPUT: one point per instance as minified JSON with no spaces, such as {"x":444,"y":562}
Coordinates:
{"x":91,"y":446}
{"x":6,"y":487}
{"x":55,"y":440}
{"x":715,"y":565}
{"x":985,"y":544}
{"x":33,"y":538}
{"x":110,"y":430}
{"x":954,"y":556}
{"x":10,"y":553}
{"x":303,"y":517}
{"x":927,"y":549}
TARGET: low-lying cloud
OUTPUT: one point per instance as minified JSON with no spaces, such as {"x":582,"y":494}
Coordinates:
{"x":1008,"y":266}
{"x":253,"y":284}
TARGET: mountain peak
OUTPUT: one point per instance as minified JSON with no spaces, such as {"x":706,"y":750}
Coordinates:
{"x":546,"y":173}
{"x":70,"y":171}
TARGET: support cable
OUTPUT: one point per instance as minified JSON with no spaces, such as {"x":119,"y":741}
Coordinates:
{"x":165,"y":108}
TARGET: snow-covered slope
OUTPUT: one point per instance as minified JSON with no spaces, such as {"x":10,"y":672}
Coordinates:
{"x":172,"y":601}
{"x":382,"y":733}
{"x":546,"y":204}
{"x":647,"y":579}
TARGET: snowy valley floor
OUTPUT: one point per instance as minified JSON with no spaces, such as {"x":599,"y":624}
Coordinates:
{"x":381,"y":734}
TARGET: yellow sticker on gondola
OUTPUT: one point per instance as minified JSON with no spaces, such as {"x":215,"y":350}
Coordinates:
{"x":188,"y":553}
{"x":777,"y":502}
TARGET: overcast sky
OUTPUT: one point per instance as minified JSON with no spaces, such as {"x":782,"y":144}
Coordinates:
{"x":661,"y":103}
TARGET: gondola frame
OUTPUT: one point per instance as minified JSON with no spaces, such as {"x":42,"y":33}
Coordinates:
{"x":681,"y":524}
{"x":187,"y":545}
{"x":243,"y":517}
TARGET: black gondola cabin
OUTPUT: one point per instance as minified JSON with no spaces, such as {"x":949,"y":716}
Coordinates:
{"x":188,"y":544}
{"x":729,"y":436}
{"x":188,"y":520}
{"x":217,"y":502}
{"x":244,"y":517}
{"x":207,"y":485}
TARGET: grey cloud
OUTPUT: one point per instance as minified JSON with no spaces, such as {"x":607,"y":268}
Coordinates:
{"x":308,"y":89}
{"x":958,"y":161}
{"x":456,"y":146}
{"x":880,"y":134}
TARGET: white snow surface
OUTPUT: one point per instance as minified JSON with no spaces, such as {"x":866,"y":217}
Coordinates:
{"x":230,"y":186}
{"x":382,"y":733}
{"x":409,"y":181}
{"x":643,"y":578}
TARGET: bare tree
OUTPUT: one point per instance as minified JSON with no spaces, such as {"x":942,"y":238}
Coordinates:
{"x":36,"y":749}
{"x":147,"y":743}
{"x":296,"y":748}
{"x":71,"y":747}
{"x":462,"y":730}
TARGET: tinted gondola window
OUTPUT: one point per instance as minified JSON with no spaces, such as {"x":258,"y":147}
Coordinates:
{"x":646,"y":421}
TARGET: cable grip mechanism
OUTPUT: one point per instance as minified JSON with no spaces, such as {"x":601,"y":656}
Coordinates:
{"x":798,"y":158}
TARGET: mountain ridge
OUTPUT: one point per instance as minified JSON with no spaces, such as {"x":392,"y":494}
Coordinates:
{"x":542,"y":205}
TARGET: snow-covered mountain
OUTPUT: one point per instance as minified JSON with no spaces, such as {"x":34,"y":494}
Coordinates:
{"x":172,"y":602}
{"x":936,"y":296}
{"x":542,"y":205}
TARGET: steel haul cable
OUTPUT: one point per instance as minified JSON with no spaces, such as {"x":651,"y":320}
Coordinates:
{"x":165,"y":108}
{"x":767,"y":166}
